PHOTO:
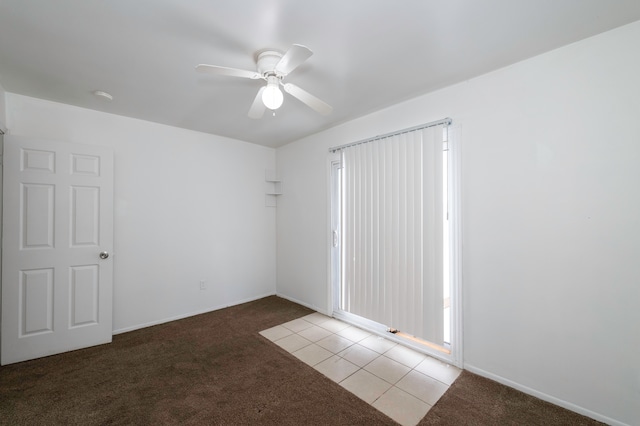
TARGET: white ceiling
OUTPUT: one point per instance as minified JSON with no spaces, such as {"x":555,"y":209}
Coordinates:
{"x":368,"y":54}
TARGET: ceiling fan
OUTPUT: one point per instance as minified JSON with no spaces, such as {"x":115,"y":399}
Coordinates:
{"x":272,"y":66}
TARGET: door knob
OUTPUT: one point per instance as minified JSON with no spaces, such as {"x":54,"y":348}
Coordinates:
{"x":104,"y":255}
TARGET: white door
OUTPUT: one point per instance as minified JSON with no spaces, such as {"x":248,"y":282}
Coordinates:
{"x":57,"y":236}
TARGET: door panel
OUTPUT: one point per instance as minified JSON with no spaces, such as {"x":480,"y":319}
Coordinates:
{"x":85,"y":208}
{"x":57,"y":218}
{"x":36,"y":207}
{"x":84,"y":294}
{"x":38,"y":160}
{"x":36,"y":304}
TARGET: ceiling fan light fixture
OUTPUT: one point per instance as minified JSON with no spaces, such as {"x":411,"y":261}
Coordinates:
{"x":273,"y":66}
{"x":272,"y":96}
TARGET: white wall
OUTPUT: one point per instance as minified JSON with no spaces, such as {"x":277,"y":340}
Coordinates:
{"x":3,"y":110}
{"x":551,"y":220}
{"x":188,"y":206}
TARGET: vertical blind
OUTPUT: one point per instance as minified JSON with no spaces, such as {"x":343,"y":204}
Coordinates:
{"x":392,"y":232}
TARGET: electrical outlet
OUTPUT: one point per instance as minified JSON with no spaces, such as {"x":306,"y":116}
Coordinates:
{"x":203,"y":285}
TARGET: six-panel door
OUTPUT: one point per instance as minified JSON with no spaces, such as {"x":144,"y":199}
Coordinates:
{"x":57,"y":219}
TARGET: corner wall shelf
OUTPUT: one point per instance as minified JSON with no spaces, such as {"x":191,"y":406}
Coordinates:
{"x":274,"y":189}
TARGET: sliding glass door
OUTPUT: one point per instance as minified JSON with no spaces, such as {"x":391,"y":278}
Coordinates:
{"x":391,"y":237}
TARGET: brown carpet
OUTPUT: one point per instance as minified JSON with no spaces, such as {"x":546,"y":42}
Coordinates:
{"x":474,"y":400}
{"x":216,"y":369}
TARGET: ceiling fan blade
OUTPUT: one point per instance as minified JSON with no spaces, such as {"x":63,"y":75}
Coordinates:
{"x":257,"y":107}
{"x":295,"y":56}
{"x":233,"y":72}
{"x":306,"y":97}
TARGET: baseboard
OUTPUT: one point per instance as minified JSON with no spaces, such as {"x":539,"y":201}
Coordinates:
{"x":190,"y":314}
{"x":543,"y":396}
{"x":300,"y":302}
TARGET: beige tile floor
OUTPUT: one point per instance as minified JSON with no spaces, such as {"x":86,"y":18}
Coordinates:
{"x":402,"y":383}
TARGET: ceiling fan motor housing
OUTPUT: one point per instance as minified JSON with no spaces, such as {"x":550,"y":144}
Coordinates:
{"x":266,"y":61}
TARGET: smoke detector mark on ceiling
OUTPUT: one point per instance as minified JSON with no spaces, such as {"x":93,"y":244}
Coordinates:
{"x":104,"y":95}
